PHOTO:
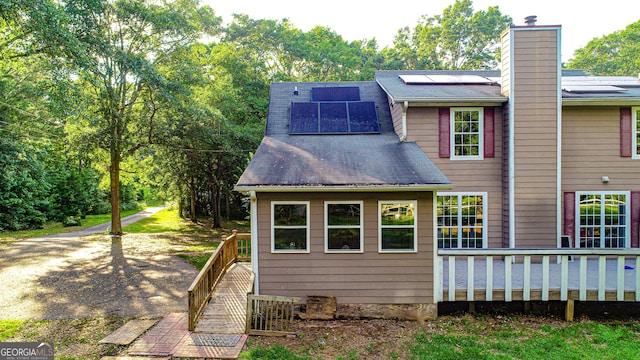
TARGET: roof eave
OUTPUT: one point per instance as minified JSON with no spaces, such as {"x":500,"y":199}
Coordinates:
{"x":342,"y":188}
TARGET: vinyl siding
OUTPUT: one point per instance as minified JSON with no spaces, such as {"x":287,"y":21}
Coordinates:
{"x":535,"y":104}
{"x":396,"y":117}
{"x":358,"y":278}
{"x":467,"y":175}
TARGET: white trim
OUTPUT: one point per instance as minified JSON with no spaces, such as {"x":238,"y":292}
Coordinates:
{"x":511,"y":160}
{"x":485,"y":215}
{"x":307,"y":227}
{"x":327,"y":227}
{"x":254,"y":242}
{"x":403,"y":136}
{"x":634,"y":133}
{"x":559,"y":196}
{"x":452,"y":133}
{"x":437,"y":260}
{"x":414,"y":226}
{"x":627,"y":240}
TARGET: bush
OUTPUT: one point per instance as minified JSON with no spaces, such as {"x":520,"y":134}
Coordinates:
{"x":71,"y":221}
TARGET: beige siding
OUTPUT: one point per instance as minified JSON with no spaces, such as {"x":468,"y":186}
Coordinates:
{"x":467,"y":176}
{"x":396,"y":116}
{"x":506,"y":63}
{"x":363,"y":278}
{"x":591,"y":149}
{"x":535,"y":104}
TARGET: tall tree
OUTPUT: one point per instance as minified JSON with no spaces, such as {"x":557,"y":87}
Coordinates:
{"x":615,"y":54}
{"x":456,"y":40}
{"x":125,"y":43}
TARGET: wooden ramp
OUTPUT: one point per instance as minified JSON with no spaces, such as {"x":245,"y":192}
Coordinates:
{"x":227,"y":309}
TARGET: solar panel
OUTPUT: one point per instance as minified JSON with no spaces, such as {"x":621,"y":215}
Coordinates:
{"x":342,"y":93}
{"x":353,"y":117}
{"x":304,"y":118}
{"x":434,"y":79}
{"x":363,"y":117}
{"x":333,"y":118}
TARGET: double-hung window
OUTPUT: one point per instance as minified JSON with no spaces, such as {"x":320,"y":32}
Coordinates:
{"x":466,"y":132}
{"x":290,"y":226}
{"x":343,"y":226}
{"x":397,"y":230}
{"x":603,"y":219}
{"x":461,"y":219}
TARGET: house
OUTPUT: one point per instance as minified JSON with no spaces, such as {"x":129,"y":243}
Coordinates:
{"x":360,"y":189}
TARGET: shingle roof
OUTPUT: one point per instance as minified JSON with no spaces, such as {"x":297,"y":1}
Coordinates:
{"x":329,"y":162}
{"x":398,"y":91}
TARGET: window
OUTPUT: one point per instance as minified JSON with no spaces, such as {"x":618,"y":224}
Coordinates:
{"x":290,"y":226}
{"x":635,"y":133}
{"x":461,"y":220}
{"x":397,"y":232}
{"x":467,"y":133}
{"x":343,"y":230}
{"x":603,"y":219}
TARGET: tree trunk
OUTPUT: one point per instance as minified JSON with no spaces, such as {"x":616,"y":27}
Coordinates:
{"x":192,"y":193}
{"x":114,"y":172}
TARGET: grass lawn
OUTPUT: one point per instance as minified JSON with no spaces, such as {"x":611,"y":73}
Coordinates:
{"x":465,"y":337}
{"x":52,"y":228}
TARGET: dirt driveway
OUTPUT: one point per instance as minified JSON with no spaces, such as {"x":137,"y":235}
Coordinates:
{"x":72,"y":277}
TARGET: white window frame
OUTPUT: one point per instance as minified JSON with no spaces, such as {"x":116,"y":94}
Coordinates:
{"x":273,"y":227}
{"x":414,"y":226}
{"x":452,"y":133}
{"x":627,"y":194}
{"x":485,"y":215}
{"x":635,"y":131}
{"x":327,"y":227}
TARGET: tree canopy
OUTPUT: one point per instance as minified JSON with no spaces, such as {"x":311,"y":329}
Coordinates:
{"x":106,"y":103}
{"x":615,"y":54}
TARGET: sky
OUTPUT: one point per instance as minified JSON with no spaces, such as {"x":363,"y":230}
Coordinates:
{"x":358,"y":20}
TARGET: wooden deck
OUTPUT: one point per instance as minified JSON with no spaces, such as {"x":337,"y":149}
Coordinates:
{"x":226,"y":311}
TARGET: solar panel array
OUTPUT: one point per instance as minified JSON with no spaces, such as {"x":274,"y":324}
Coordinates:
{"x":334,"y":110}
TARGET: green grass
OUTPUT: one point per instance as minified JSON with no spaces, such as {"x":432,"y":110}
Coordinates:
{"x":52,"y":227}
{"x":488,"y":338}
{"x":8,"y":328}
{"x":165,"y":220}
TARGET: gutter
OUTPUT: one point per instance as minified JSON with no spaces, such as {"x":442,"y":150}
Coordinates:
{"x":341,"y":188}
{"x":254,"y":241}
{"x":600,"y":101}
{"x":405,"y":106}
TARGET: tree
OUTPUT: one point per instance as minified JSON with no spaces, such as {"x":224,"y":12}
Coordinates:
{"x":614,"y":54}
{"x":125,"y":42}
{"x":458,"y":39}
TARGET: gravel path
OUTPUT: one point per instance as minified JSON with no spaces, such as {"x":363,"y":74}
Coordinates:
{"x":73,"y":277}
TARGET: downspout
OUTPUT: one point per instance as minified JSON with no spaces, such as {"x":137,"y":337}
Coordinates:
{"x":253,"y":214}
{"x":405,"y":106}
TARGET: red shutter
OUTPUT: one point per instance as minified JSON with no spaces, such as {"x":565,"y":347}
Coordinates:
{"x":635,"y":218}
{"x":625,"y":132}
{"x":570,"y":216}
{"x":443,"y":119}
{"x":489,"y":132}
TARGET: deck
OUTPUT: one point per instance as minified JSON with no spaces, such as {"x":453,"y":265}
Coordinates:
{"x":538,"y":275}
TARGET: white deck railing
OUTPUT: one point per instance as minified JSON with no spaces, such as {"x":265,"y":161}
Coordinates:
{"x":579,"y":274}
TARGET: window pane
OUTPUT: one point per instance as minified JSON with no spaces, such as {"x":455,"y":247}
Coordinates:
{"x":343,"y":214}
{"x":290,"y":215}
{"x":290,"y":239}
{"x":344,"y":239}
{"x":397,"y":214}
{"x":397,"y":239}
{"x":602,"y":220}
